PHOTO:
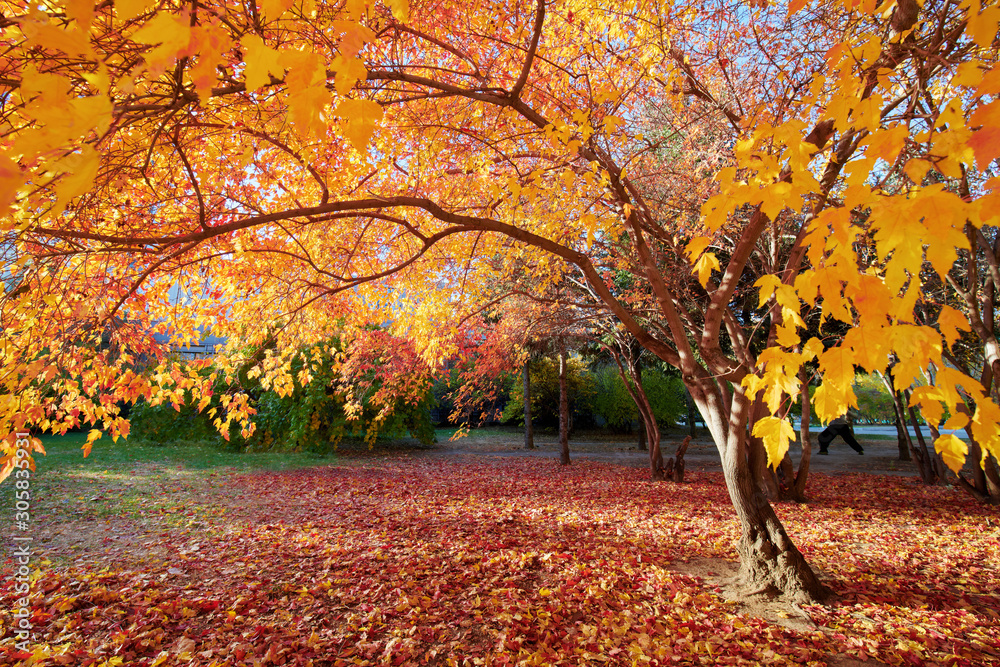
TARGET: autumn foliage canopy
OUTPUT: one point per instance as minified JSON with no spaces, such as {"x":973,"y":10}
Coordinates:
{"x":297,"y":168}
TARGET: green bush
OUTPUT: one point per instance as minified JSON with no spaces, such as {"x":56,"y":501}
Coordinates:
{"x":544,"y":375}
{"x":310,"y":419}
{"x":612,"y":402}
{"x":666,"y":395}
{"x":162,"y":424}
{"x":874,"y":400}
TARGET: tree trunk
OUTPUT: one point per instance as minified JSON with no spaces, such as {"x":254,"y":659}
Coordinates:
{"x":563,"y":410}
{"x":642,"y":422}
{"x":692,"y":430}
{"x":904,"y":451}
{"x":799,"y":485}
{"x":758,"y":457}
{"x":924,"y":466}
{"x":769,"y":562}
{"x":925,"y":460}
{"x":631,"y":376}
{"x":655,"y":453}
{"x":529,"y":434}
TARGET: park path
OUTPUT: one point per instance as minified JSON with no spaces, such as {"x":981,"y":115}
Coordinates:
{"x":880,"y":458}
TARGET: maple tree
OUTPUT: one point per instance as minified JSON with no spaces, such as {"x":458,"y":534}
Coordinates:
{"x":170,"y":166}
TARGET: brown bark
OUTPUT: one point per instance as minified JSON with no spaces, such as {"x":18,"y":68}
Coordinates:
{"x":924,"y":465}
{"x":642,"y":422}
{"x":631,"y":375}
{"x":925,"y":459}
{"x":904,"y":452}
{"x":529,"y":434}
{"x":692,"y":429}
{"x":799,"y":485}
{"x":769,"y":561}
{"x":758,"y":457}
{"x":642,"y":435}
{"x":563,"y":410}
{"x":675,"y":465}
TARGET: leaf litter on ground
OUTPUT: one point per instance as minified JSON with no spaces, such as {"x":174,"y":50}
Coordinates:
{"x":502,"y":561}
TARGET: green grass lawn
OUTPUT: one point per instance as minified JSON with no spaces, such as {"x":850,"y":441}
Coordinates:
{"x":130,"y":478}
{"x":63,"y":453}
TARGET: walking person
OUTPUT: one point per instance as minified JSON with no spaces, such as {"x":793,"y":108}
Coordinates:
{"x":844,"y":427}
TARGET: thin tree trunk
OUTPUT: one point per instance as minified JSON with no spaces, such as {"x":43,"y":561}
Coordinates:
{"x":924,"y":466}
{"x":798,"y":486}
{"x":629,"y":372}
{"x":692,"y":429}
{"x":642,"y":422}
{"x":925,"y":458}
{"x":939,"y":466}
{"x":904,"y":452}
{"x":563,"y":410}
{"x":529,"y":434}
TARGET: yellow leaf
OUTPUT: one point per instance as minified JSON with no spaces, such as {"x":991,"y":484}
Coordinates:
{"x":968,"y":74}
{"x":928,"y":399}
{"x":10,"y":181}
{"x":261,"y":62}
{"x":306,"y":110}
{"x":957,"y":421}
{"x":950,"y":321}
{"x":916,"y":169}
{"x":830,"y":284}
{"x":275,"y":8}
{"x":985,"y":145}
{"x":871,"y":298}
{"x":982,"y":27}
{"x":349,"y":72}
{"x":95,"y":434}
{"x":990,"y":84}
{"x":953,"y":450}
{"x":172,"y":34}
{"x":886,"y":144}
{"x":806,"y":286}
{"x":209,"y":41}
{"x":129,"y":9}
{"x":612,"y":123}
{"x":767,"y":284}
{"x":870,"y":343}
{"x":986,"y":426}
{"x":704,"y":267}
{"x":304,"y":69}
{"x":812,"y":348}
{"x":71,"y":41}
{"x":775,"y":197}
{"x":80,"y":170}
{"x":831,"y":401}
{"x":354,"y":36}
{"x":837,"y":365}
{"x":400,"y":9}
{"x":361,"y":117}
{"x":776,"y":434}
{"x":788,"y":335}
